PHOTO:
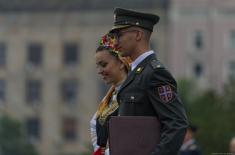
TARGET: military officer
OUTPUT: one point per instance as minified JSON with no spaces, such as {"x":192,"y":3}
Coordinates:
{"x":149,"y":90}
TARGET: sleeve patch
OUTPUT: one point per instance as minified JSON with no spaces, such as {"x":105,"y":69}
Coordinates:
{"x":165,"y":93}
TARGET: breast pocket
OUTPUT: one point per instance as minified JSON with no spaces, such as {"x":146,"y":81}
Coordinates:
{"x":133,"y":98}
{"x":131,"y":104}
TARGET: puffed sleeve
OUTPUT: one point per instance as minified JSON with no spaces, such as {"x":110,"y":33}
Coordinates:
{"x":93,"y":133}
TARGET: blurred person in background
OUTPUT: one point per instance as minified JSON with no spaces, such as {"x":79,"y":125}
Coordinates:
{"x":113,"y":69}
{"x":232,"y":146}
{"x":190,"y":146}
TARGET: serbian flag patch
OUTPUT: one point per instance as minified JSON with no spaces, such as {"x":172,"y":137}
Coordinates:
{"x":165,"y":93}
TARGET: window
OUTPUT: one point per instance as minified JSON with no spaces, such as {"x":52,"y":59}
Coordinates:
{"x":70,"y":54}
{"x":198,"y":69}
{"x":69,"y":129}
{"x":33,"y":129}
{"x":35,"y":54}
{"x":232,"y":39}
{"x":198,"y":41}
{"x":2,"y":90}
{"x":69,"y":90}
{"x":232,"y":70}
{"x":2,"y":54}
{"x":33,"y":91}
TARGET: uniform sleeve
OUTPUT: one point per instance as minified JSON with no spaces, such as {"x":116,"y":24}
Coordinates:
{"x":93,"y":133}
{"x":162,"y":92}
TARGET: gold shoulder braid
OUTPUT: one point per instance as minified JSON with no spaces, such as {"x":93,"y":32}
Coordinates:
{"x":108,"y":109}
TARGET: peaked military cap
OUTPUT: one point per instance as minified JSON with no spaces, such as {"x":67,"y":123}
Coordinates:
{"x":124,"y":18}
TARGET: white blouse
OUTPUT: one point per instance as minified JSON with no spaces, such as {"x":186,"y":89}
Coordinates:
{"x":94,"y":135}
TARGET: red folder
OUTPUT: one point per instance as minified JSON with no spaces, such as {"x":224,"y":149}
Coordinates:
{"x":133,"y":135}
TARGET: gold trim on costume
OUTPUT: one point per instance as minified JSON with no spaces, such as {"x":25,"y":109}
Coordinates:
{"x":109,"y":109}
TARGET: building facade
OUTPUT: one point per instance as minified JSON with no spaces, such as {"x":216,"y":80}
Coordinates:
{"x":48,"y":78}
{"x":202,"y":39}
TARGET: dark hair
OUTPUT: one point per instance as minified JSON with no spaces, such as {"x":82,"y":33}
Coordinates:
{"x":101,"y":48}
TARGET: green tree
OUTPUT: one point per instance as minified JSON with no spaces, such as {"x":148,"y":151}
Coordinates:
{"x":213,"y":113}
{"x":12,"y":138}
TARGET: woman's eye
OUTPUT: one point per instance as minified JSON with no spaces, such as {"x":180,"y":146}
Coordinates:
{"x":103,"y":64}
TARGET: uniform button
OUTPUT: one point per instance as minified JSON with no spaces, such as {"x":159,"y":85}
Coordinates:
{"x":132,"y":97}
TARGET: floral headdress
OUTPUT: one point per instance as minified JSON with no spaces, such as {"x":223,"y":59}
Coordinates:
{"x":110,"y":41}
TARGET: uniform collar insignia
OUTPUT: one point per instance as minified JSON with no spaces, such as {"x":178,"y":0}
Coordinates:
{"x":139,"y":70}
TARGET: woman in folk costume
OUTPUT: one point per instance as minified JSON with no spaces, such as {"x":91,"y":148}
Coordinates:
{"x":113,"y":69}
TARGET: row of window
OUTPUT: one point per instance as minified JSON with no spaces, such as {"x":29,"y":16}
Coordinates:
{"x":35,"y":54}
{"x":34,"y":88}
{"x":198,"y":70}
{"x":199,"y":42}
{"x":69,"y":129}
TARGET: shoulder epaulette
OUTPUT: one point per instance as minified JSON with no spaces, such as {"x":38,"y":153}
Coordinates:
{"x":156,"y":64}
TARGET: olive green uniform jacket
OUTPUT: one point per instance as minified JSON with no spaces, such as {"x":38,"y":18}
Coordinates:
{"x":150,"y":90}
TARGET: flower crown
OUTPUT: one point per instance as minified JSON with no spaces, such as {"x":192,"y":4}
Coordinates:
{"x":109,"y":41}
